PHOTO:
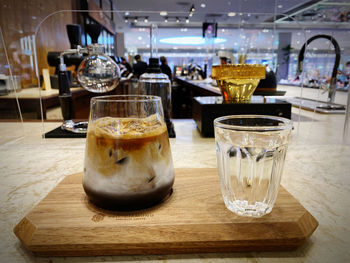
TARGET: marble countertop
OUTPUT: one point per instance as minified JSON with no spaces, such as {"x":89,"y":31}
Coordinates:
{"x":317,"y":173}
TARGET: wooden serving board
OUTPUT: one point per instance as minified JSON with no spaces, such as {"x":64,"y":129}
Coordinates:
{"x":193,"y":219}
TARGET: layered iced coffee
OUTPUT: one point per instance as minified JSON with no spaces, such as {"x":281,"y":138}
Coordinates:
{"x":128,"y":162}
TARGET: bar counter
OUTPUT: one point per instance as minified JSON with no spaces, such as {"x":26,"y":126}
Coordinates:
{"x":316,"y":173}
{"x":29,"y":99}
{"x":204,"y":88}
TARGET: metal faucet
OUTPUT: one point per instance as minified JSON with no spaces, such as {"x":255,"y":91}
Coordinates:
{"x":333,"y":82}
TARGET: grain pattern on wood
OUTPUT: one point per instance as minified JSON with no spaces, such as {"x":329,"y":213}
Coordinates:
{"x":193,"y":219}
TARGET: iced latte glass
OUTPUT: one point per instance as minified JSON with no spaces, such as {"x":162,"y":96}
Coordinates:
{"x":128,"y":162}
{"x":251,"y":150}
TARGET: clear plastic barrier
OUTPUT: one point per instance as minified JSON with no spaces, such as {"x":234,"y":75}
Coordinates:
{"x":270,"y":39}
{"x":11,"y":123}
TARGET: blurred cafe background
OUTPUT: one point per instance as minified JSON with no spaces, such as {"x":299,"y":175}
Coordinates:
{"x":189,"y":37}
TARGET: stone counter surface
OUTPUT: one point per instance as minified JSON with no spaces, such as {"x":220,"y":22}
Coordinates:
{"x":317,"y":173}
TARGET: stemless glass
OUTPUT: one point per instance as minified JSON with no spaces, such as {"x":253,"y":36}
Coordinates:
{"x":251,"y":150}
{"x":128,"y":162}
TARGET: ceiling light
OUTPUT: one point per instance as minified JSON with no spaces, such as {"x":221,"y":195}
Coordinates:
{"x":203,"y":5}
{"x":240,"y":14}
{"x":174,"y":47}
{"x":146,"y":19}
{"x":191,"y":14}
{"x":223,"y":30}
{"x":265,"y":30}
{"x":189,"y":40}
{"x":280,"y":6}
{"x":135,"y":20}
{"x":163,"y":13}
{"x":127,"y":13}
{"x":166,"y":20}
{"x":126,"y":20}
{"x":139,"y":38}
{"x":185,"y":29}
{"x":177,"y":20}
{"x":192,"y":8}
{"x":231,"y":14}
{"x":187,"y":20}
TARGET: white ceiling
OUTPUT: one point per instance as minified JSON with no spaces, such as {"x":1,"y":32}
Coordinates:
{"x":253,"y":38}
{"x":253,"y":19}
{"x":213,"y":10}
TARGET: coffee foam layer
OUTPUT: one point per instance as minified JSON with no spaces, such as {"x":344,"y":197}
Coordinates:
{"x":126,"y":128}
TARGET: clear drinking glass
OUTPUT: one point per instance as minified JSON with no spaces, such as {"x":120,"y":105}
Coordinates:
{"x":128,"y":162}
{"x":251,"y":150}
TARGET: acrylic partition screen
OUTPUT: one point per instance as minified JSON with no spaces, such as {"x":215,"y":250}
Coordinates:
{"x":253,"y":38}
{"x":11,"y":76}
